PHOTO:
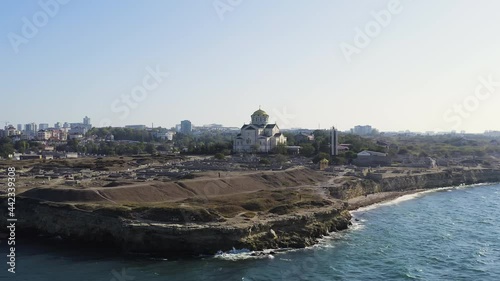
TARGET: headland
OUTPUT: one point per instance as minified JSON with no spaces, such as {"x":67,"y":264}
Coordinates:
{"x":207,"y":211}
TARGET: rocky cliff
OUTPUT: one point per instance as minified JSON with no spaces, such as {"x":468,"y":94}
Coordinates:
{"x":451,"y":177}
{"x":118,"y":227}
{"x":292,"y":220}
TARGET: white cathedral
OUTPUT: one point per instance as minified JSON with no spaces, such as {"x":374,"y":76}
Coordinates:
{"x":258,"y":136}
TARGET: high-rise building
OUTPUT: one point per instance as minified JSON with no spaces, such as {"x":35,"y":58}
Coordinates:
{"x":66,"y":125}
{"x":20,"y":127}
{"x":57,"y":125}
{"x":31,"y":129}
{"x":43,"y":126}
{"x":186,"y":127}
{"x":362,"y":130}
{"x":86,"y":122}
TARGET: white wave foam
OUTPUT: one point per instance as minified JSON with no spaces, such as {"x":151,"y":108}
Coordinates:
{"x":357,"y":225}
{"x":395,"y":201}
{"x":245,"y":254}
{"x":326,"y":241}
{"x":415,"y":195}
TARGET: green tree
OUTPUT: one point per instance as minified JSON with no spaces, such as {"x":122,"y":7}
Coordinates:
{"x":320,"y":156}
{"x":281,"y":159}
{"x":21,"y":146}
{"x":307,"y":150}
{"x":350,"y":155}
{"x":150,"y":148}
{"x":290,"y":138}
{"x":281,"y":149}
{"x":339,"y":160}
{"x":264,"y":161}
{"x":73,"y":145}
{"x":6,"y":147}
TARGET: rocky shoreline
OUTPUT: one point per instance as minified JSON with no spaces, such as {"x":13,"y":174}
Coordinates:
{"x":133,"y":236}
{"x":126,"y":230}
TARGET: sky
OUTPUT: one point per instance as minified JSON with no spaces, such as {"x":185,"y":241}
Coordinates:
{"x":396,"y":65}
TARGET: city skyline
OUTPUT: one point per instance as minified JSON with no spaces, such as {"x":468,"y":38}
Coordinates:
{"x":342,"y":64}
{"x":178,"y":127}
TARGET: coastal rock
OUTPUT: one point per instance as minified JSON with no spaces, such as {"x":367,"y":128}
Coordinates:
{"x":194,"y":230}
{"x":118,"y":229}
{"x":449,"y":177}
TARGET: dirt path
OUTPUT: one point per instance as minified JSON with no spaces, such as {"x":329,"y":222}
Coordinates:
{"x":104,"y":197}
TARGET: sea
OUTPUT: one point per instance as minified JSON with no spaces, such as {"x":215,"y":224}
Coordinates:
{"x":443,"y":234}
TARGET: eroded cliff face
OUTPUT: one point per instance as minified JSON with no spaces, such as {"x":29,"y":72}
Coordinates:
{"x":197,"y":230}
{"x":118,"y":228}
{"x":451,"y":177}
{"x":446,"y":178}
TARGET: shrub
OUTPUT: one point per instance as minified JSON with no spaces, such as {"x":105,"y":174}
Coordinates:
{"x":219,"y":156}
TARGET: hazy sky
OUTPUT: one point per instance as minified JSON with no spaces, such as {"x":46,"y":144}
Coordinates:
{"x":418,"y":65}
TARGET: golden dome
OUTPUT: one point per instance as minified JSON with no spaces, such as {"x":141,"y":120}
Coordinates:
{"x":260,"y":112}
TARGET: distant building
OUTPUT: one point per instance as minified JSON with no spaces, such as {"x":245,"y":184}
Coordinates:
{"x":372,"y":158}
{"x":214,"y":126}
{"x":11,"y":131}
{"x":163,"y":134}
{"x":71,"y":155}
{"x":20,"y":127}
{"x":170,"y":135}
{"x":492,"y":133}
{"x":136,"y":127}
{"x":258,"y":136}
{"x":342,"y":147}
{"x":75,"y":125}
{"x":362,"y":130}
{"x":43,"y":135}
{"x":75,"y":136}
{"x":57,"y":125}
{"x":303,"y":137}
{"x":323,"y":164}
{"x":86,"y":121}
{"x":186,"y":127}
{"x":30,"y":157}
{"x":82,"y":127}
{"x":43,"y":126}
{"x":383,"y":143}
{"x":78,"y":129}
{"x":293,"y":149}
{"x":47,"y":156}
{"x":57,"y":134}
{"x":31,"y":130}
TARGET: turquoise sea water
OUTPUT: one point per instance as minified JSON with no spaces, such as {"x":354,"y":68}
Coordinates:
{"x":449,"y":234}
